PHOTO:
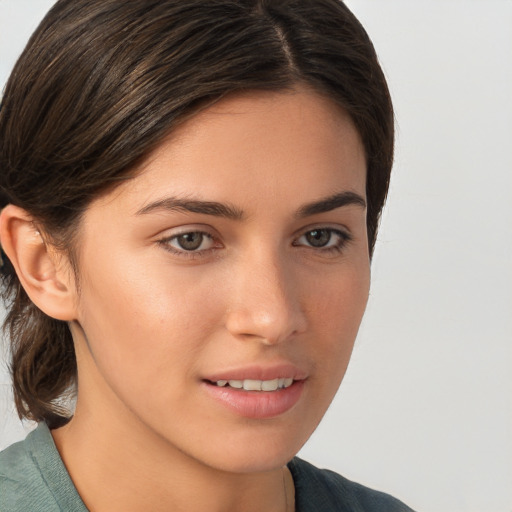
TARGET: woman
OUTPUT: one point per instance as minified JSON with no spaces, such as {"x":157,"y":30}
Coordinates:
{"x":191,"y":192}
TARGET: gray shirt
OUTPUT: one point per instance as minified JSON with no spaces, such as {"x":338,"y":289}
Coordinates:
{"x":33,"y":478}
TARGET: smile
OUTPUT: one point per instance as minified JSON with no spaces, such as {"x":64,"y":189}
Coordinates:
{"x":256,"y":399}
{"x":256,"y":385}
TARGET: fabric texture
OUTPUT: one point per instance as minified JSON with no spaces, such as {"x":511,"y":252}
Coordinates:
{"x":33,"y":478}
{"x":322,"y":490}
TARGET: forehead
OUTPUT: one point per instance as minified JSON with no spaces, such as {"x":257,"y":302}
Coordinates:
{"x":266,"y":144}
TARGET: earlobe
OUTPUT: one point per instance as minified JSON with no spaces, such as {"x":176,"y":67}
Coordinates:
{"x":43,"y":272}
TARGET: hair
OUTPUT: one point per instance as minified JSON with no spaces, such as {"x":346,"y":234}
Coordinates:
{"x":102,"y":82}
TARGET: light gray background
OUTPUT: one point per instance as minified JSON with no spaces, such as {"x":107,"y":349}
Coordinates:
{"x":425,"y":411}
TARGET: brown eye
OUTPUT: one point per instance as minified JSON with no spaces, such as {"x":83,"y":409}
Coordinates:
{"x":318,"y":237}
{"x":191,"y":244}
{"x":324,"y":240}
{"x":190,"y":241}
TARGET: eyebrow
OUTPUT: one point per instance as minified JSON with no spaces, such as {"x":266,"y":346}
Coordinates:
{"x":232,"y":212}
{"x":331,"y":203}
{"x":194,"y":206}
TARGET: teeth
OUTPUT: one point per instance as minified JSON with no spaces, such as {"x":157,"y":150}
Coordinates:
{"x":287,"y":383}
{"x":269,"y":385}
{"x":252,"y":385}
{"x":257,"y":385}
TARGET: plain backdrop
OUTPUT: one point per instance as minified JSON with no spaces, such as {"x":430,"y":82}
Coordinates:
{"x":425,"y":410}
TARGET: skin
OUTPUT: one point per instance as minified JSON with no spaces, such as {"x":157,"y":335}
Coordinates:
{"x":152,"y":320}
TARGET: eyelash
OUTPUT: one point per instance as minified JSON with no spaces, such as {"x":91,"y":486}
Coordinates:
{"x":183,"y":253}
{"x":344,"y":238}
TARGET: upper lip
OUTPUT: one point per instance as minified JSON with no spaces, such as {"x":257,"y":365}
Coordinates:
{"x":259,"y":372}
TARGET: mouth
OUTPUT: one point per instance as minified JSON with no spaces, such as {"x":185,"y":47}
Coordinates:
{"x":254,"y":398}
{"x":255,"y":384}
{"x":257,"y":391}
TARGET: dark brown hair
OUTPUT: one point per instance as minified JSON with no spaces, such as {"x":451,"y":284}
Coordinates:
{"x":102,"y":82}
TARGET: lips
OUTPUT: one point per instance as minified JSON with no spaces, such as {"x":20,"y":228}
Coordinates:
{"x":256,"y":372}
{"x":257,"y":392}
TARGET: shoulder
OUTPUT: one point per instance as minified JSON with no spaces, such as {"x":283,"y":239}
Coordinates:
{"x":323,"y":490}
{"x":20,"y":481}
{"x":33,"y":476}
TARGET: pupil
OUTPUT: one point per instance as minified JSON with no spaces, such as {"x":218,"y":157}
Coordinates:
{"x":190,"y":241}
{"x":318,"y":237}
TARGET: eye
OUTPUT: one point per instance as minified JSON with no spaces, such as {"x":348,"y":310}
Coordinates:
{"x":326,"y":239}
{"x":189,"y":242}
{"x":318,"y":237}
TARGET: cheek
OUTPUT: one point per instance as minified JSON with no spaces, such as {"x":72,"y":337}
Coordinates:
{"x":336,"y":312}
{"x":147,"y":324}
{"x":339,"y":304}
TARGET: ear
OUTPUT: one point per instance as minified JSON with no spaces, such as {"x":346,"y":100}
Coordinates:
{"x":44,"y":272}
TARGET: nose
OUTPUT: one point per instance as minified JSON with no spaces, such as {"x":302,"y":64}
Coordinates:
{"x":265,"y":300}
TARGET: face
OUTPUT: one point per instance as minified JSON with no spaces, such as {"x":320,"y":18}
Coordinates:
{"x":222,"y":287}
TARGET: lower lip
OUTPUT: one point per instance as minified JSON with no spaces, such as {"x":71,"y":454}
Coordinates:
{"x":257,"y":404}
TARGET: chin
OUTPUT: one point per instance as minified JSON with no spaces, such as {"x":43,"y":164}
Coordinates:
{"x":258,"y":451}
